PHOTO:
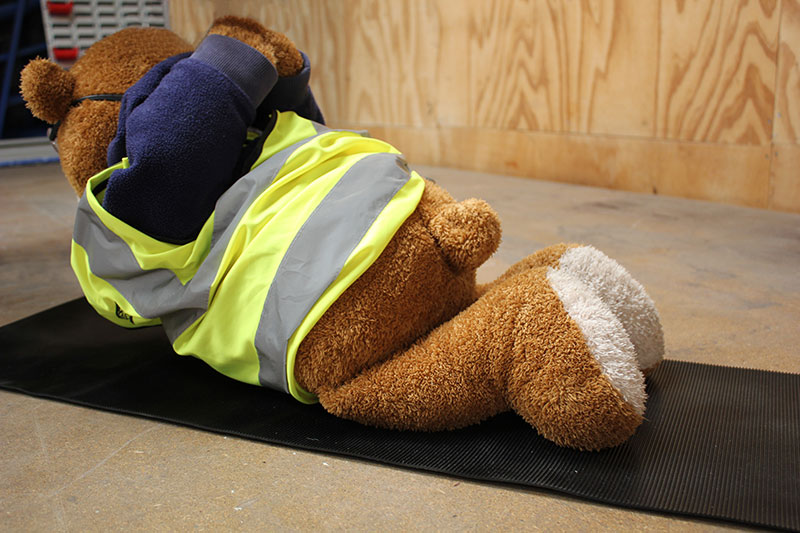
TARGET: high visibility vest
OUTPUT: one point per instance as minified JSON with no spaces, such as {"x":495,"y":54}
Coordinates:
{"x":283,"y":243}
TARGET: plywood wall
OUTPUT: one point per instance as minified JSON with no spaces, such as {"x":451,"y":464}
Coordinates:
{"x":693,"y":98}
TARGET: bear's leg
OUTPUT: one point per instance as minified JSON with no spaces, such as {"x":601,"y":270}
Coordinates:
{"x":625,"y":296}
{"x":573,"y":374}
{"x":443,"y":381}
{"x":519,"y":347}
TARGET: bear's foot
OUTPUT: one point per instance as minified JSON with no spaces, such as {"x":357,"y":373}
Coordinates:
{"x":573,"y":373}
{"x":624,"y":296}
{"x":616,"y":288}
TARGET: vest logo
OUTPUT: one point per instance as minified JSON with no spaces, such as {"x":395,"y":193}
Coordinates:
{"x":122,"y":314}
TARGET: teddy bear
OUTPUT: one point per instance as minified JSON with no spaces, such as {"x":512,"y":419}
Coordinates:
{"x":216,"y":203}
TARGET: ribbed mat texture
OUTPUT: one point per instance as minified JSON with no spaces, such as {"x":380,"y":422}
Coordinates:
{"x":718,"y":442}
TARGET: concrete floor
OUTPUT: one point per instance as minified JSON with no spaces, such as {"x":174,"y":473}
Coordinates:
{"x":725,"y":280}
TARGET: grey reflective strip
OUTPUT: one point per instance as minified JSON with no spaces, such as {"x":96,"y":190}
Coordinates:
{"x":159,"y":293}
{"x":318,"y":253}
{"x":321,"y":128}
{"x":111,"y":259}
{"x":229,"y":210}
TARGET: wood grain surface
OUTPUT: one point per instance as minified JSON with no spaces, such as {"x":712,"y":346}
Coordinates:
{"x":560,"y":89}
{"x":737,"y":174}
{"x":787,"y":108}
{"x":785,"y":178}
{"x":717,"y":65}
{"x":191,"y":19}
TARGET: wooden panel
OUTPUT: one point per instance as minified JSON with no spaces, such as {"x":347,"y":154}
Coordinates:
{"x":719,"y":172}
{"x":785,"y":179}
{"x":717,"y":66}
{"x":787,"y":107}
{"x":374,"y":61}
{"x":550,"y":66}
{"x":191,"y":18}
{"x":623,"y":85}
{"x":503,"y":63}
{"x":701,"y":70}
{"x":384,"y":66}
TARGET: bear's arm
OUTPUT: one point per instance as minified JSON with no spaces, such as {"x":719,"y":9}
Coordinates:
{"x":184,"y":137}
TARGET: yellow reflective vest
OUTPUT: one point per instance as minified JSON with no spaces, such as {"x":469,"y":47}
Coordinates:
{"x":283,"y":243}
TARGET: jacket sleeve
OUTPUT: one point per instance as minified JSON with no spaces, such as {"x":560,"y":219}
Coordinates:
{"x":182,"y":127}
{"x":293,"y":93}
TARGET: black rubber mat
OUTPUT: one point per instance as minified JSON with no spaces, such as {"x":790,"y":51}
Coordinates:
{"x":718,"y":442}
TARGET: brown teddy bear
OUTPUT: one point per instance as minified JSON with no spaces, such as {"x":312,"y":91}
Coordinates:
{"x":314,"y":261}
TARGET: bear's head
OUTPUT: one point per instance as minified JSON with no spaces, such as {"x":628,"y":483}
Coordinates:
{"x":82,"y":103}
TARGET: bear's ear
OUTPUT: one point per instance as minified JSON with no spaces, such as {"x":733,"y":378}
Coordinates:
{"x":47,"y":89}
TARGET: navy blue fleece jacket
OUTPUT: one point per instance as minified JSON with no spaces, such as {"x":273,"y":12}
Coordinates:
{"x":183,"y":127}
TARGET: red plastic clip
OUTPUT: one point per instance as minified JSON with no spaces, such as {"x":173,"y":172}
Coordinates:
{"x":65,"y":54}
{"x":61,"y":9}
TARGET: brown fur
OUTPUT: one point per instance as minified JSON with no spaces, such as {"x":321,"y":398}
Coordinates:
{"x":81,"y":160}
{"x":414,"y":343}
{"x":513,"y":348}
{"x":48,"y":89}
{"x":417,"y":288}
{"x":546,"y":257}
{"x":553,"y":381}
{"x":113,"y":64}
